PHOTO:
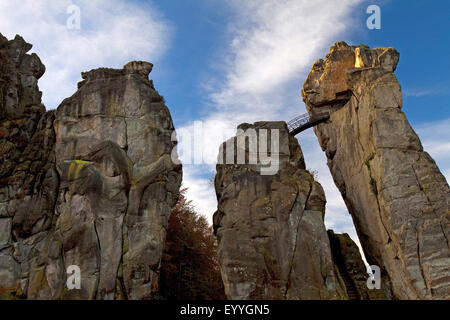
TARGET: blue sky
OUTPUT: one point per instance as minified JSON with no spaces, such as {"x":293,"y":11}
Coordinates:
{"x":418,"y":29}
{"x":227,"y":62}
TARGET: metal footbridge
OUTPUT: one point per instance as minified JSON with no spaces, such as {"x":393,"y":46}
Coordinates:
{"x":305,"y":121}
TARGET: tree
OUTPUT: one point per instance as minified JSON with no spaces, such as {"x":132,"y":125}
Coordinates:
{"x":189,"y":267}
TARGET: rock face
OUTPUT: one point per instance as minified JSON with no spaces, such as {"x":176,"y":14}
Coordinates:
{"x":272,"y":239}
{"x":28,"y":179}
{"x":398,"y":198}
{"x":90,"y":185}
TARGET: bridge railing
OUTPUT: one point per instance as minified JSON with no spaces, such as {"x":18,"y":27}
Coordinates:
{"x":298,"y":121}
{"x":304,"y":121}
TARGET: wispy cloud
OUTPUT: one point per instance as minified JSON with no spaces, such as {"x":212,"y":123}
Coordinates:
{"x":112,"y":33}
{"x":441,"y":89}
{"x":272,"y":46}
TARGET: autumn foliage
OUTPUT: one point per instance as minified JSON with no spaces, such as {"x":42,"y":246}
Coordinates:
{"x":189,"y":267}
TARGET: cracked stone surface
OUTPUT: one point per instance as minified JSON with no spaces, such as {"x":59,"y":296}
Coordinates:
{"x":398,"y":198}
{"x":91,"y":184}
{"x":270,"y":230}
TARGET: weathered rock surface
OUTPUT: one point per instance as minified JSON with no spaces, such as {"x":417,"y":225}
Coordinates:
{"x":398,"y":198}
{"x":91,"y":184}
{"x":28,"y":180}
{"x":271,"y":235}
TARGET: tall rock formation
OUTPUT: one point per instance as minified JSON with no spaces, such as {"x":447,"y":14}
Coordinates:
{"x":398,"y":198}
{"x":91,"y":184}
{"x":270,"y":227}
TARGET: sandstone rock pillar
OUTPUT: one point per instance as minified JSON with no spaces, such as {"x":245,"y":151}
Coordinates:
{"x":91,"y":184}
{"x":272,"y":239}
{"x":398,"y":198}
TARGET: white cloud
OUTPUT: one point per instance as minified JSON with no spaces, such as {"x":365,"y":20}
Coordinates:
{"x":201,"y":188}
{"x":438,"y":89}
{"x":272,"y":47}
{"x":112,"y":33}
